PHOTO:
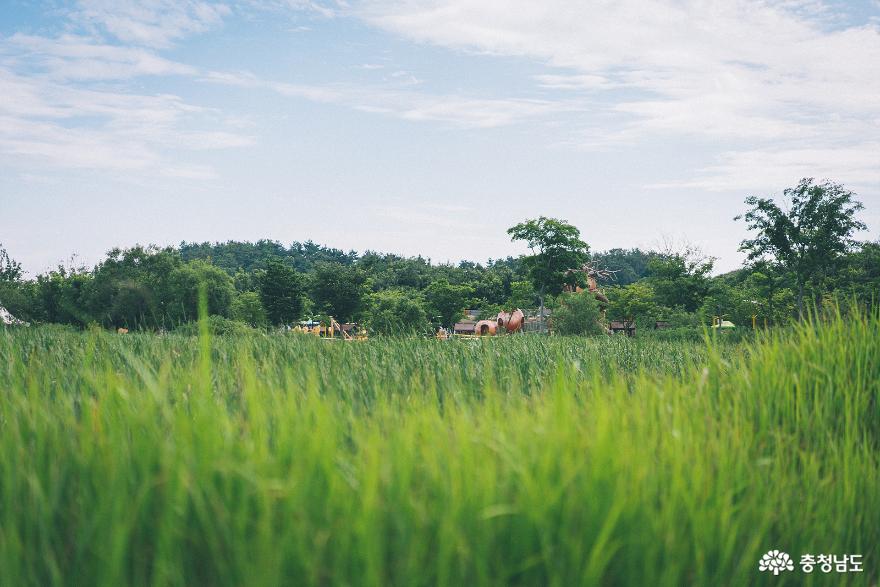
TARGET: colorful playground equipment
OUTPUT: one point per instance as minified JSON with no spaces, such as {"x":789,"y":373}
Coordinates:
{"x":503,"y":323}
{"x":332,"y":331}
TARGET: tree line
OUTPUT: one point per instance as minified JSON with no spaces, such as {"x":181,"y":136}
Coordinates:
{"x":802,"y":250}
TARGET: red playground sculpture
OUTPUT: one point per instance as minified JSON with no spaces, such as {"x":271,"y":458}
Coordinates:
{"x":509,"y":322}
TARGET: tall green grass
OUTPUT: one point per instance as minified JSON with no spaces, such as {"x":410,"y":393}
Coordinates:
{"x":284,"y":460}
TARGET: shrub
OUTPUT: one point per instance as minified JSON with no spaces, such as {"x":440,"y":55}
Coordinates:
{"x":248,"y":308}
{"x":577,"y":314}
{"x":397,"y":311}
{"x":219,"y":326}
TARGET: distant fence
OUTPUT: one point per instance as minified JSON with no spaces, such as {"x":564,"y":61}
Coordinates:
{"x":535,"y":322}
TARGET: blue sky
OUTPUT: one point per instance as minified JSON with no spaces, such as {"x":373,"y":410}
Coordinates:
{"x":424,"y":127}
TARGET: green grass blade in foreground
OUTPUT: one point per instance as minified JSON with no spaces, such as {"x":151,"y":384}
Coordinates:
{"x":520,"y":460}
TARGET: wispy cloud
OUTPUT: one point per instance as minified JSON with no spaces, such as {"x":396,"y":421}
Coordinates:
{"x":397,"y":100}
{"x":794,"y":76}
{"x":857,"y":166}
{"x":66,"y":104}
{"x":151,"y":23}
{"x":80,"y":58}
{"x":779,"y":87}
{"x":428,"y":219}
{"x":319,"y":8}
{"x":574,"y":82}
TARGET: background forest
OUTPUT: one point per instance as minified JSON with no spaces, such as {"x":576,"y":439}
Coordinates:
{"x":264,"y":284}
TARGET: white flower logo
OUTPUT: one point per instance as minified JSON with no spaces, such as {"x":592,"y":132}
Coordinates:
{"x":776,"y":561}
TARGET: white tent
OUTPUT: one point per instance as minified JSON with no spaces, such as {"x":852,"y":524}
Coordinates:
{"x":10,"y":320}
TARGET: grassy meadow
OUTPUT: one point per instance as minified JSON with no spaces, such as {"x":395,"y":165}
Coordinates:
{"x":287,"y":460}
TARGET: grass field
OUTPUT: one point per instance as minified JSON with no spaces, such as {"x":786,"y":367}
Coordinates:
{"x":285,"y":460}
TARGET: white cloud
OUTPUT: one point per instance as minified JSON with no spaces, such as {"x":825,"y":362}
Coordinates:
{"x":856,"y":166}
{"x":75,"y":57}
{"x":66,"y":104}
{"x":461,"y":111}
{"x":68,"y":99}
{"x":45,"y":122}
{"x":762,"y":78}
{"x":428,"y":216}
{"x":772,"y":85}
{"x":151,"y":23}
{"x":398,"y":101}
{"x":76,"y":148}
{"x":762,"y":60}
{"x":574,"y":82}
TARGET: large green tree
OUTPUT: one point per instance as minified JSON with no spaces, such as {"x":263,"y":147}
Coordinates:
{"x":448,"y":301}
{"x":771,"y":298}
{"x":10,"y":269}
{"x":522,"y":295}
{"x":64,"y":297}
{"x":680,"y":280}
{"x":808,"y":235}
{"x":247,"y":308}
{"x":629,"y":265}
{"x":281,"y":291}
{"x":131,"y":288}
{"x":188,"y":280}
{"x":338,"y":290}
{"x":16,"y":295}
{"x":859,"y":276}
{"x":556,"y":247}
{"x":397,"y":312}
{"x":578,"y":314}
{"x":631,"y":302}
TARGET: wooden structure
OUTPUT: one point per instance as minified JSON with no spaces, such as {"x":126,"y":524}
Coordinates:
{"x":624,"y":326}
{"x":464,"y":327}
{"x":537,"y":324}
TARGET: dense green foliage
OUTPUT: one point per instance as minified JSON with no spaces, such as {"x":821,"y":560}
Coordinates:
{"x":248,"y":309}
{"x":632,"y":301}
{"x":398,"y":312}
{"x":268,"y":284}
{"x":577,"y":314}
{"x":233,"y":256}
{"x":10,"y":269}
{"x":556,"y":248}
{"x":446,"y":300}
{"x":281,"y":291}
{"x":284,"y":459}
{"x":679,"y":280}
{"x":809,"y":236}
{"x":339,"y":290}
{"x":630,"y":265}
{"x":156,"y":288}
